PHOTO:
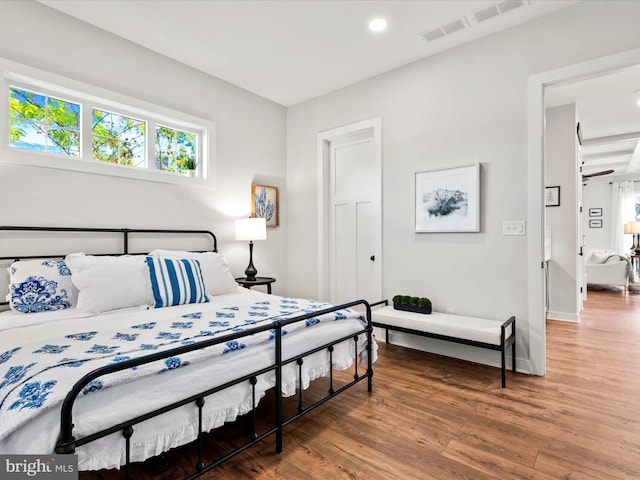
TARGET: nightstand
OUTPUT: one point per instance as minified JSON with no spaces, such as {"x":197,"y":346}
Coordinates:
{"x":258,"y":281}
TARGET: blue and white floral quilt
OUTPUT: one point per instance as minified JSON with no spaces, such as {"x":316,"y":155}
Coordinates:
{"x":37,"y":371}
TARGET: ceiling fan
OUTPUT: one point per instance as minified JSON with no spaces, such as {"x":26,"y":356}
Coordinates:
{"x":596,"y":174}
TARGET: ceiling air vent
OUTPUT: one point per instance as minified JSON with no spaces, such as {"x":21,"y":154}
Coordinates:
{"x":486,"y":13}
{"x":432,"y":35}
{"x":467,"y":20}
{"x":497,"y":9}
{"x":444,"y":30}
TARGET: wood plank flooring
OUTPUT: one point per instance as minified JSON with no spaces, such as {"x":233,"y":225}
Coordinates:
{"x":432,"y":417}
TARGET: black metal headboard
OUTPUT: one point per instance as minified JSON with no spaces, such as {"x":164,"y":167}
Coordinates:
{"x":125,"y":232}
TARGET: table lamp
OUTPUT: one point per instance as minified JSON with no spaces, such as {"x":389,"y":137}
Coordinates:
{"x":251,"y":229}
{"x":635,"y":230}
{"x":627,"y":231}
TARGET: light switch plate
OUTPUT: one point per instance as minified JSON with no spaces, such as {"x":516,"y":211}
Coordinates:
{"x":513,"y":227}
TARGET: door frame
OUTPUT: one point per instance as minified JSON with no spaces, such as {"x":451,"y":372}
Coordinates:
{"x":373,"y":125}
{"x":535,"y":173}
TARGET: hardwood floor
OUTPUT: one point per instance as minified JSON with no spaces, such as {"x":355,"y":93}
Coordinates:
{"x":432,"y":417}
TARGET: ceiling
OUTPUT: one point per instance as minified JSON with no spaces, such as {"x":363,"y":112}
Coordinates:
{"x":291,"y":51}
{"x":609,"y":119}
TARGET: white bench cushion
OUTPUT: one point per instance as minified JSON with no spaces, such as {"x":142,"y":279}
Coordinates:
{"x":458,"y":326}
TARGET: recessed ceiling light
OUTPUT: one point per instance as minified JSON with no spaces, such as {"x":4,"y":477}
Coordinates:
{"x":377,"y":24}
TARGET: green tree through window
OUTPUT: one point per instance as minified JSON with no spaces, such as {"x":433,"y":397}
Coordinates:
{"x":43,"y":123}
{"x":118,"y":139}
{"x":40,"y":122}
{"x":175,"y":150}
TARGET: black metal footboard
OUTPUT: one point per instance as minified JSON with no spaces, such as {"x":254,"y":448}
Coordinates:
{"x":67,"y":443}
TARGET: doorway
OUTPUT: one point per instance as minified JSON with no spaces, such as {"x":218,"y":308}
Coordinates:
{"x":350,"y":212}
{"x":536,"y":175}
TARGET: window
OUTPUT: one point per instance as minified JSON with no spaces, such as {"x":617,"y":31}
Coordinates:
{"x":42,"y":123}
{"x":118,"y":139}
{"x":74,"y":126}
{"x":175,"y":150}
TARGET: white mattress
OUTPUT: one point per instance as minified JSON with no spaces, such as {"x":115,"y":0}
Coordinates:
{"x":98,"y":410}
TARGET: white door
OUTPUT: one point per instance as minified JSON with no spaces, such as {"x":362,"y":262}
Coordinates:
{"x":353,"y":214}
{"x":581,"y":275}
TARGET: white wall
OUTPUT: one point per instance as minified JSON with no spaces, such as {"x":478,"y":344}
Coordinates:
{"x":562,"y":170}
{"x":597,"y":194}
{"x":250,"y":133}
{"x":463,"y":106}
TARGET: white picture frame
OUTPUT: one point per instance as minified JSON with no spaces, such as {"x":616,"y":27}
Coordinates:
{"x":448,"y":200}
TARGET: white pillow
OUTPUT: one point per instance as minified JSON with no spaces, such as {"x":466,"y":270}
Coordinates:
{"x":599,"y":256}
{"x":109,"y":283}
{"x":218,"y":279}
{"x":40,"y":286}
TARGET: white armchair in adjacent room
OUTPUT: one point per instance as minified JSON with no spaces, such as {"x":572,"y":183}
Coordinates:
{"x":604,"y":267}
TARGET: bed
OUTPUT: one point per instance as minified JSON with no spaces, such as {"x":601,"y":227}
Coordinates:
{"x":140,"y":353}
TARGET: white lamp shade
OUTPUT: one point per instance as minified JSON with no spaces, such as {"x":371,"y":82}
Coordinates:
{"x":627,"y":227}
{"x":251,"y":229}
{"x":635,"y":227}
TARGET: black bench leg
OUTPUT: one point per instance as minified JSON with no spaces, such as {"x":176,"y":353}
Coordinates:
{"x":513,"y":355}
{"x":504,"y":375}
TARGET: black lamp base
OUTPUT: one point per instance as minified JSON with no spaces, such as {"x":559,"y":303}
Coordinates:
{"x":251,"y":271}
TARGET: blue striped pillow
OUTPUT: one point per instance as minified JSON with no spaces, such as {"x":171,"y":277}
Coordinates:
{"x":176,"y":281}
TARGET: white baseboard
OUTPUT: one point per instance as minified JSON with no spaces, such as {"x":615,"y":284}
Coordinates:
{"x":563,"y":316}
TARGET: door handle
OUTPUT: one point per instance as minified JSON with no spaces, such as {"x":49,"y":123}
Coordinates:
{"x":372,"y":258}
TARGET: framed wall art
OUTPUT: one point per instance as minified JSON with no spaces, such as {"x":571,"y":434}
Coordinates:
{"x":595,"y":212}
{"x":595,"y":223}
{"x":264,"y":204}
{"x":448,"y":200}
{"x":552,"y":196}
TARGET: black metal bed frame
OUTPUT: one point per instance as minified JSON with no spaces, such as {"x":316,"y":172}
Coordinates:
{"x":67,"y":443}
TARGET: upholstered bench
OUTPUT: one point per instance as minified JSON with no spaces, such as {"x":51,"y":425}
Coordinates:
{"x":478,"y":332}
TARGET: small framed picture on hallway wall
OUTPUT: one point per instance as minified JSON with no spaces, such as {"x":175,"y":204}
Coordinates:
{"x":595,"y":223}
{"x":552,"y":196}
